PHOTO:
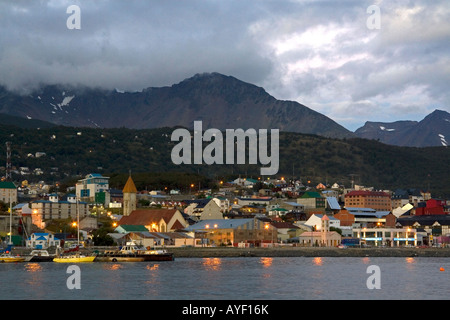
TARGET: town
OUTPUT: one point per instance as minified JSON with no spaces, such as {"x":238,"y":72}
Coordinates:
{"x":241,"y":213}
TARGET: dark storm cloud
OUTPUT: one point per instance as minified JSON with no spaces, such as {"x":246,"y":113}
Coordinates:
{"x":319,"y":53}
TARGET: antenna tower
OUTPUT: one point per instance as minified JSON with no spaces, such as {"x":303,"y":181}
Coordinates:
{"x":8,"y":161}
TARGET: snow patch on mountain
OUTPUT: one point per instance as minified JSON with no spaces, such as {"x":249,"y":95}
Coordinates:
{"x":443,"y":141}
{"x":385,"y":129}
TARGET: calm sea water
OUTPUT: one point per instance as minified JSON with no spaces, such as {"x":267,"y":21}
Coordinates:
{"x":231,"y":279}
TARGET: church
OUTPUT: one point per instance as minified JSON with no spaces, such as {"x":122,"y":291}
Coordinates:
{"x":129,"y":197}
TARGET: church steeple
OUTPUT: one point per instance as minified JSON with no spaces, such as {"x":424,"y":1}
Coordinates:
{"x":129,"y":197}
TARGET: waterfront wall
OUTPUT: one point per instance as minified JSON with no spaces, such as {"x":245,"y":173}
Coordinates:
{"x":310,"y":252}
{"x":216,"y":252}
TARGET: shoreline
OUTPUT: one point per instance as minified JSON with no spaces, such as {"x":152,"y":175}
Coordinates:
{"x":223,"y":252}
{"x":308,"y":252}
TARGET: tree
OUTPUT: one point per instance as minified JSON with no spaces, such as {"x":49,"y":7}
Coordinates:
{"x":101,"y":237}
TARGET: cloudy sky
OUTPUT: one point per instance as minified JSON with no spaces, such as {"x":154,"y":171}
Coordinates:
{"x":320,"y":53}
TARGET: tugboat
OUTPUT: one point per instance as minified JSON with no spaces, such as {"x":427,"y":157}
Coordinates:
{"x":133,"y":252}
{"x":39,"y":255}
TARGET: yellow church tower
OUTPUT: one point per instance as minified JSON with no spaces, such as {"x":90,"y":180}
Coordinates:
{"x":129,"y":197}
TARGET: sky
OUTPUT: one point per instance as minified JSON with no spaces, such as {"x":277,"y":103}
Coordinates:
{"x":343,"y":59}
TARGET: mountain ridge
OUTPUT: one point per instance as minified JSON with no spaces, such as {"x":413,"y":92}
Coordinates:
{"x":433,"y":130}
{"x":218,"y":100}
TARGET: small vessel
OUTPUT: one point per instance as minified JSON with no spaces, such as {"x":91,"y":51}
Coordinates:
{"x":74,"y":258}
{"x":133,"y":252}
{"x":8,"y":257}
{"x":39,"y":255}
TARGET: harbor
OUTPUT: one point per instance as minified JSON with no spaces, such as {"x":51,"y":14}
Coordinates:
{"x":286,"y":251}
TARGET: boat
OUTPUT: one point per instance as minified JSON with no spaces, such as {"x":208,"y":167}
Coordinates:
{"x":74,"y":258}
{"x":8,"y":257}
{"x":77,"y":256}
{"x":39,"y":255}
{"x":133,"y":252}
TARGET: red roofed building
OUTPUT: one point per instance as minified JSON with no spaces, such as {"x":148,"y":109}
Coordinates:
{"x":380,"y":201}
{"x":432,"y":207}
{"x":161,"y":220}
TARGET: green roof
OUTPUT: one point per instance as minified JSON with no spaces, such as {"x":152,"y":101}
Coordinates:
{"x":133,"y":228}
{"x":311,"y":194}
{"x":7,"y":185}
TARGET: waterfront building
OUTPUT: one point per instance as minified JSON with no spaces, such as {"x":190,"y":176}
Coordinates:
{"x":322,"y":238}
{"x":53,"y":208}
{"x":431,"y":225}
{"x":365,"y":217}
{"x":315,"y":221}
{"x":42,"y":241}
{"x":391,"y":237}
{"x":234,"y":232}
{"x":156,"y":220}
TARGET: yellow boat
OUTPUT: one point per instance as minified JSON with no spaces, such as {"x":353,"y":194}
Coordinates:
{"x":74,"y":259}
{"x":11,"y":258}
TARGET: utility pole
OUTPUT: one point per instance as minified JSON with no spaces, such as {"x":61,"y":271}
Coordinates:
{"x":8,"y":161}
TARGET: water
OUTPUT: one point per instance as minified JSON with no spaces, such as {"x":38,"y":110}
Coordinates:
{"x":232,"y":278}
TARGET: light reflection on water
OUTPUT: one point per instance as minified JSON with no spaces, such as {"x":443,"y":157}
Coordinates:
{"x":232,"y":278}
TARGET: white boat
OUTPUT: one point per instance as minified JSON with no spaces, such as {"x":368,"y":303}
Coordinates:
{"x":134,"y":252}
{"x":8,"y":257}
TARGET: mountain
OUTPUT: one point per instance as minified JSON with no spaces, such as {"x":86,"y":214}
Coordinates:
{"x":71,"y":153}
{"x":433,"y":130}
{"x":24,"y":123}
{"x":220,"y":101}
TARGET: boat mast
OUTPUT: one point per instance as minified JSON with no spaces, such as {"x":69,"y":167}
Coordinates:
{"x":10,"y":220}
{"x":78,"y":225}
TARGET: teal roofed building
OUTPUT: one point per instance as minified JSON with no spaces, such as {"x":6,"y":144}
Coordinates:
{"x":312,"y":200}
{"x":8,"y":192}
{"x":89,"y":188}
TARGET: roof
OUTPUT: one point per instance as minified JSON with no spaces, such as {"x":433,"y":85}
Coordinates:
{"x":147,"y":217}
{"x":284,"y":225}
{"x":294,"y":204}
{"x":129,"y":186}
{"x":367,"y":212}
{"x":7,"y":185}
{"x":221,"y":224}
{"x":333,"y":203}
{"x":255,"y":199}
{"x":367,"y":193}
{"x":311,"y":194}
{"x":427,"y":220}
{"x":133,"y":228}
{"x":320,"y":216}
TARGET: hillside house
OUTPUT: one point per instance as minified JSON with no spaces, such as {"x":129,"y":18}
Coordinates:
{"x":8,"y":192}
